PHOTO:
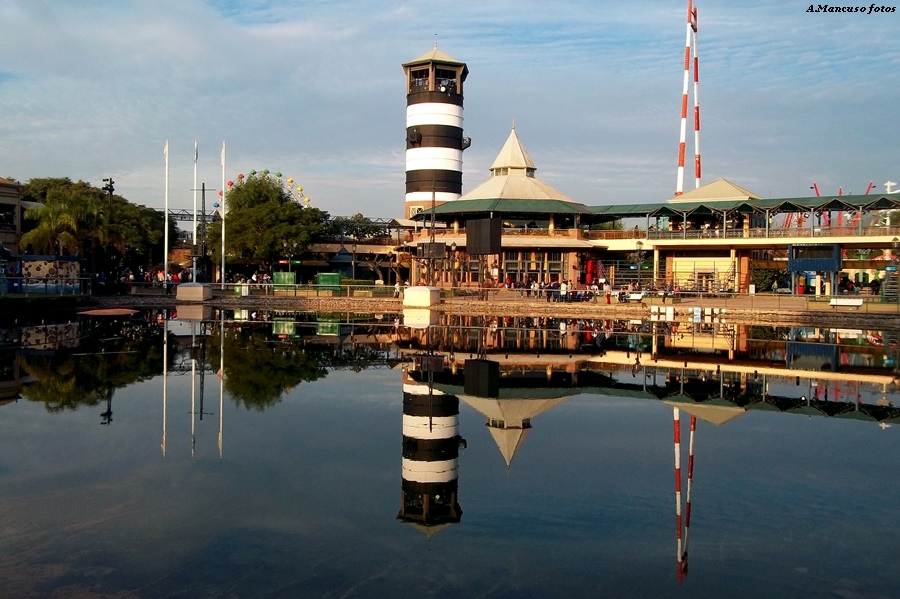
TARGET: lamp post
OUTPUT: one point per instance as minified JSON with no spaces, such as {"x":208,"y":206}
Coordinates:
{"x":353,"y":262}
{"x":109,"y":188}
{"x":289,"y":249}
{"x":639,"y":258}
{"x":453,"y":265}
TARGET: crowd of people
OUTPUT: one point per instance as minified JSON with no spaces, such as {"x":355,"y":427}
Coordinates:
{"x":567,"y":290}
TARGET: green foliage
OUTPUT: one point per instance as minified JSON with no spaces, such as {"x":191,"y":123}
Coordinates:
{"x":259,"y":371}
{"x":764,"y":277}
{"x":262,"y":217}
{"x":86,"y":221}
{"x":37,"y":190}
{"x":767,"y":333}
{"x":56,"y":229}
{"x":615,"y":225}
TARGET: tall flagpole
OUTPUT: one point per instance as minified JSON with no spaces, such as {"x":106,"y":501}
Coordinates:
{"x":194,"y":239}
{"x":222,"y":273}
{"x":195,"y":193}
{"x":166,"y":221}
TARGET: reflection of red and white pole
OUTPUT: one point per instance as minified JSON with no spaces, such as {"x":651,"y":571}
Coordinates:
{"x":676,"y":420}
{"x":687,"y":507}
{"x":682,"y":540}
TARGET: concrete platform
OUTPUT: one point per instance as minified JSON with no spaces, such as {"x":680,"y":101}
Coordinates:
{"x":193,"y":292}
{"x":421,"y":297}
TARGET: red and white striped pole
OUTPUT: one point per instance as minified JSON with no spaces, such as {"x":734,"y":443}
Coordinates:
{"x":679,"y":185}
{"x":676,"y":421}
{"x":692,"y":20}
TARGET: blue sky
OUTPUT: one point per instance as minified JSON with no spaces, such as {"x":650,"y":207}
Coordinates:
{"x":314,"y":89}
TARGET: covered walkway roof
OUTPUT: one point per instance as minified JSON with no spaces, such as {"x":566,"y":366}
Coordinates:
{"x":773,"y":205}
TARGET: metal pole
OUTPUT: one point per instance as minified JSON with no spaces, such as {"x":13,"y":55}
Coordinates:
{"x":431,"y":247}
{"x":224,"y":192}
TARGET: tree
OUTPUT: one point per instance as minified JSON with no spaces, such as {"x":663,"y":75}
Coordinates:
{"x":105,"y":231}
{"x":36,"y":190}
{"x":261,"y":216}
{"x":613,"y":225}
{"x":57,"y":228}
{"x":764,"y":277}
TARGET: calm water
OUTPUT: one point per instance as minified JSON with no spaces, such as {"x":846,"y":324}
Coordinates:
{"x":285,"y":478}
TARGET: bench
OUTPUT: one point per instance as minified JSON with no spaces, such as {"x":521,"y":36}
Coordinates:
{"x":856,"y":302}
{"x":635,"y":297}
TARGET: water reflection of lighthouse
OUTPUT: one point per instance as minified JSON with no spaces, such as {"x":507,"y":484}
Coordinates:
{"x":431,"y":442}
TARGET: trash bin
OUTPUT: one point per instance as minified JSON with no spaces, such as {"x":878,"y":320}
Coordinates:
{"x":242,"y":289}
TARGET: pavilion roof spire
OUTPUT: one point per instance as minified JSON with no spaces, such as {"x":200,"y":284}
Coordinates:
{"x":513,"y":154}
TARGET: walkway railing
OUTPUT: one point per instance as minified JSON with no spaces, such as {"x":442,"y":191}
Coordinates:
{"x":692,"y":233}
{"x":44,"y":286}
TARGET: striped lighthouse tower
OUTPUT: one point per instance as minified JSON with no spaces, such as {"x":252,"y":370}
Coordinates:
{"x":431,"y":444}
{"x":434,"y":130}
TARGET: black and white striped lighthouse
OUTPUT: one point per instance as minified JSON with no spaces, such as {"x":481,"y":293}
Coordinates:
{"x":434,"y":130}
{"x":431,"y":444}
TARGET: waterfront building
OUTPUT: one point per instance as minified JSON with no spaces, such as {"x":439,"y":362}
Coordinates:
{"x":10,"y":215}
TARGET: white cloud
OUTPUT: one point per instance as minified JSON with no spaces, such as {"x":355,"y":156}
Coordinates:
{"x":314,"y":89}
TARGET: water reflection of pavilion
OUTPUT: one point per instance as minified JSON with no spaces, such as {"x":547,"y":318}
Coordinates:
{"x":831,"y":372}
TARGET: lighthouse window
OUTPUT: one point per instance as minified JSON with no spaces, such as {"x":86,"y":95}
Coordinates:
{"x":419,"y":79}
{"x":445,"y":78}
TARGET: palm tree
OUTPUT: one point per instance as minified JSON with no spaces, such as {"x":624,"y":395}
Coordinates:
{"x":56,"y":228}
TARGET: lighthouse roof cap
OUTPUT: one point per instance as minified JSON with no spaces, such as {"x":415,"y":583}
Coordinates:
{"x":434,"y":55}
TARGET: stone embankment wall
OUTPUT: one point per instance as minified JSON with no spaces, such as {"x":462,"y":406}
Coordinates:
{"x":841,"y":318}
